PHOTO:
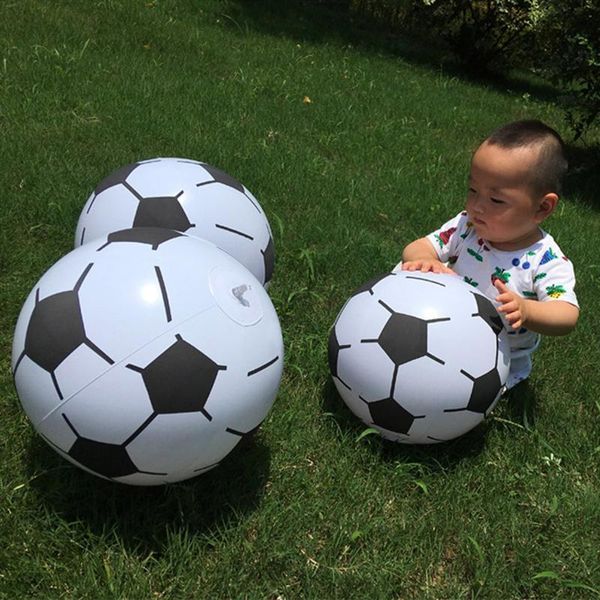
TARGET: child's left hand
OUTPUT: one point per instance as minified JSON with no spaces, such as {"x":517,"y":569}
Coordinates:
{"x":512,"y":305}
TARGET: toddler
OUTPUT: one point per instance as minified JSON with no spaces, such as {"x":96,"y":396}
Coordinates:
{"x":496,"y":244}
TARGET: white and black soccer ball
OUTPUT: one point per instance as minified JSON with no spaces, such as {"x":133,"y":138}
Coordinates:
{"x":146,"y":356}
{"x":187,"y":196}
{"x":422,"y":358}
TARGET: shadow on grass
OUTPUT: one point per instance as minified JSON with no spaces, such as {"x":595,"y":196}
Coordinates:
{"x":583,"y":181}
{"x":521,"y":404}
{"x":143,"y":518}
{"x":321,"y":22}
{"x":441,"y":457}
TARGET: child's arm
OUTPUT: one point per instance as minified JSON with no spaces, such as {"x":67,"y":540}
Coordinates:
{"x":555,"y":317}
{"x":420,"y":255}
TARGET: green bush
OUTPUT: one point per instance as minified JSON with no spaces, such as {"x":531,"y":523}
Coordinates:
{"x":558,"y":39}
{"x":568,"y":34}
{"x":392,"y":12}
{"x":484,"y":34}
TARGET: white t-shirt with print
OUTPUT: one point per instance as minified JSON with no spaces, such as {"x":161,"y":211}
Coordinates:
{"x":539,"y":272}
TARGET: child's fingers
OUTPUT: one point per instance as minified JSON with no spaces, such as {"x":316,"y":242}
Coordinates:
{"x":512,"y":314}
{"x":434,"y":267}
{"x":514,"y":320}
{"x":426,"y":266}
{"x":507,"y":303}
{"x":500,"y":286}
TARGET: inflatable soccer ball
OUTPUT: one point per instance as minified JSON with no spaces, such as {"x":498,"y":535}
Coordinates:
{"x":185,"y":195}
{"x":146,"y":356}
{"x":422,"y":358}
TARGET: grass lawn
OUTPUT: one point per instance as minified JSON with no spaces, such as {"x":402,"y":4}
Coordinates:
{"x":352,"y":150}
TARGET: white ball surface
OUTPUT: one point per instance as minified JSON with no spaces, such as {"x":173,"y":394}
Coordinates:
{"x":146,"y":356}
{"x":421,"y":357}
{"x":185,"y":195}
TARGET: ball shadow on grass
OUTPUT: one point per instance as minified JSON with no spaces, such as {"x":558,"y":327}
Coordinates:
{"x":144,"y":517}
{"x":441,"y":457}
{"x":521,"y":403}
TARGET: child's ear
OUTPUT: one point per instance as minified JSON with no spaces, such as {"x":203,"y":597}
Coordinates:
{"x":546,"y":207}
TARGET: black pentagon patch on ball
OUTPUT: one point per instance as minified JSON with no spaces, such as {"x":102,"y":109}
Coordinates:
{"x":180,"y":379}
{"x":269,"y":259}
{"x":161,"y":212}
{"x":404,"y":338}
{"x":485,"y":390}
{"x":487,"y":311}
{"x":389,"y":415}
{"x":369,"y":285}
{"x":115,"y":178}
{"x":110,"y":460}
{"x":54,"y":330}
{"x":153,"y":236}
{"x":224,"y":178}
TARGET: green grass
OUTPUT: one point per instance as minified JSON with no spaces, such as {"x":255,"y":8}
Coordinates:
{"x":378,"y":158}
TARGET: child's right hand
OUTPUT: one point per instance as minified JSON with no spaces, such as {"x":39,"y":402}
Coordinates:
{"x":427,"y":265}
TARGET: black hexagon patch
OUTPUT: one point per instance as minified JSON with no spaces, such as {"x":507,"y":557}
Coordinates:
{"x":485,"y":390}
{"x":153,"y":236}
{"x":404,"y":338}
{"x":55,"y":330}
{"x":109,"y":460}
{"x":180,"y":379}
{"x":161,"y":212}
{"x":388,"y":414}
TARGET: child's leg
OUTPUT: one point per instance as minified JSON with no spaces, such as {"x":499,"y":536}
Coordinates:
{"x":520,"y":364}
{"x":520,"y":368}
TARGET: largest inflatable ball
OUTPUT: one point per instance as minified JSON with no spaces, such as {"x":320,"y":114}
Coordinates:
{"x":420,"y":357}
{"x":146,"y":356}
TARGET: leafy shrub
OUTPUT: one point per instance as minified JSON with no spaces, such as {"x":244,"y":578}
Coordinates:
{"x":568,"y":53}
{"x":483,"y":34}
{"x":559,"y":39}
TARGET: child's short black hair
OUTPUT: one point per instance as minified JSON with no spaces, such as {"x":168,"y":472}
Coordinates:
{"x":552,"y":163}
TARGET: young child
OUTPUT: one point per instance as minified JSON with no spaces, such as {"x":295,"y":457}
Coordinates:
{"x":496,"y":244}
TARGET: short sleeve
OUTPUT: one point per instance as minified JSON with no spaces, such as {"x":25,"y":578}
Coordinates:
{"x":450,"y":237}
{"x":555,"y":278}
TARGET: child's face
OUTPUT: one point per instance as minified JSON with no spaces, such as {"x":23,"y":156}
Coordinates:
{"x":501,"y":203}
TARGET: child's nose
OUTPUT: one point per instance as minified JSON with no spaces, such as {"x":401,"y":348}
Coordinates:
{"x":476,"y":203}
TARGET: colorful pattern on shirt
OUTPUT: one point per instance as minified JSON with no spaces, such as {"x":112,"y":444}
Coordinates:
{"x":555,"y":291}
{"x":548,"y":256}
{"x":500,"y":274}
{"x":444,"y":237}
{"x":533,"y":272}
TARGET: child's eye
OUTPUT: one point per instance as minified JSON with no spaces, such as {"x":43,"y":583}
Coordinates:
{"x":472,"y":191}
{"x":497,"y":201}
